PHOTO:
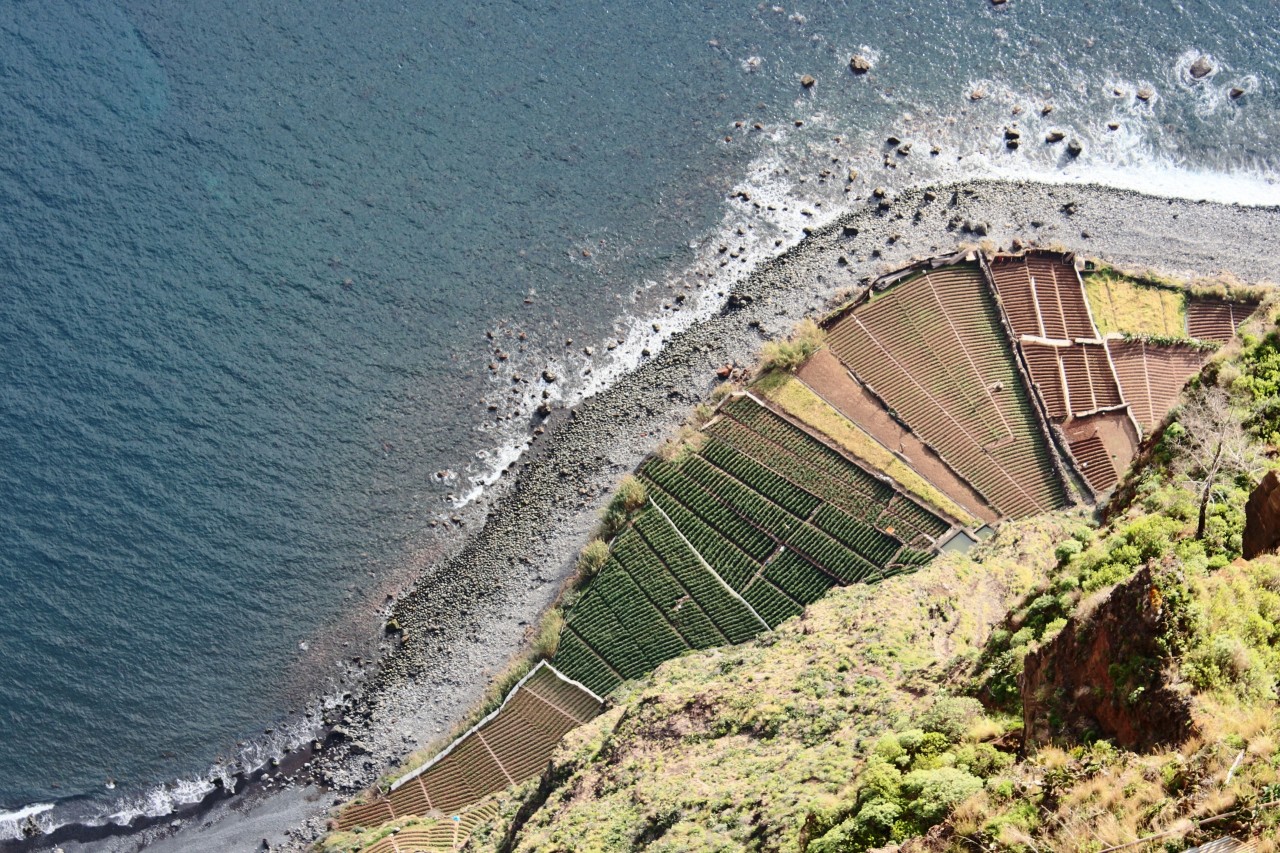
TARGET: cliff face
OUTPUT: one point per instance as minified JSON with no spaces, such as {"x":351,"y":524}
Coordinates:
{"x":1107,"y":674}
{"x":1262,"y":518}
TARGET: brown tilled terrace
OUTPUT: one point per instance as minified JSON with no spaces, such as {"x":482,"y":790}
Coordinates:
{"x":509,"y":746}
{"x":1044,"y":299}
{"x":934,"y":350}
{"x":1152,"y":375}
{"x":1210,"y":319}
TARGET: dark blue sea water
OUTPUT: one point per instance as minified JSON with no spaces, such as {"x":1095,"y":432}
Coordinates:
{"x":249,"y":252}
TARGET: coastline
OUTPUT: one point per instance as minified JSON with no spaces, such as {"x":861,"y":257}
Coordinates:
{"x":467,"y":615}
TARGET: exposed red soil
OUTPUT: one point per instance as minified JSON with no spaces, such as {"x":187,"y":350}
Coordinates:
{"x":1103,"y":446}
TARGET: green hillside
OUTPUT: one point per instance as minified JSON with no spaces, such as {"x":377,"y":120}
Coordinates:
{"x":892,"y":714}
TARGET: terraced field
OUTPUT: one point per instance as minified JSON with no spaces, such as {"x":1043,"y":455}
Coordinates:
{"x":1152,"y":376}
{"x":509,"y":746}
{"x":654,"y":599}
{"x":1043,"y":296}
{"x":1073,"y":379}
{"x":739,"y":536}
{"x":1216,"y":320}
{"x":435,"y":836}
{"x":764,"y":514}
{"x":1102,"y":445}
{"x":934,"y":350}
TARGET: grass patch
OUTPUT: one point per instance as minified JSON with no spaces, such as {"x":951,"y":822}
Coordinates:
{"x":790,"y":354}
{"x":817,"y":730}
{"x":1126,"y":306}
{"x":799,"y":400}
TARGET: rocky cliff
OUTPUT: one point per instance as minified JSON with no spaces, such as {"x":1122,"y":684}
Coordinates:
{"x":1107,"y":674}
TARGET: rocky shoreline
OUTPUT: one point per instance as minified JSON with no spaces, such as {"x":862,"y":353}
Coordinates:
{"x":471,"y":612}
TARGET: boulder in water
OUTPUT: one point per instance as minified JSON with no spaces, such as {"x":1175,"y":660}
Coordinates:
{"x":1202,"y":67}
{"x":859,"y":64}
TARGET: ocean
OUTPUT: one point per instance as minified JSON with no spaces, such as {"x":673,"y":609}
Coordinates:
{"x":281,"y":278}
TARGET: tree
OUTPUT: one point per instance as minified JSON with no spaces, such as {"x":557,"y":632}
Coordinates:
{"x":1213,"y":448}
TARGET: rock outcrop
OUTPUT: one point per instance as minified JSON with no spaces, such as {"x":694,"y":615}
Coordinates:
{"x":1106,"y":674}
{"x":1202,"y":67}
{"x":1262,"y":518}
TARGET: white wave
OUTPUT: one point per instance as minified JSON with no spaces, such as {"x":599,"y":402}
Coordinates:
{"x":771,"y":206}
{"x":498,"y":461}
{"x":12,"y":823}
{"x":162,"y":800}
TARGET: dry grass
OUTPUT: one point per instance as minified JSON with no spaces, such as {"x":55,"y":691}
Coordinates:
{"x":798,"y":400}
{"x":687,"y":440}
{"x":985,"y":729}
{"x":1123,"y":305}
{"x":788,"y":355}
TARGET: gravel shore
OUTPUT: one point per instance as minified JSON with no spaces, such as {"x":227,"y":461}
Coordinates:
{"x":468,"y":615}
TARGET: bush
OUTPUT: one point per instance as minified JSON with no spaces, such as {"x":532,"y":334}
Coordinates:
{"x":630,"y":495}
{"x":880,"y":780}
{"x":981,"y":759}
{"x":547,"y":643}
{"x":1225,"y":663}
{"x":872,"y":826}
{"x":592,"y":557}
{"x":951,"y":716}
{"x":1119,"y":556}
{"x":615,"y":518}
{"x":1067,"y":550}
{"x":933,"y":793}
{"x":932,"y":745}
{"x":792,"y":353}
{"x":890,"y":750}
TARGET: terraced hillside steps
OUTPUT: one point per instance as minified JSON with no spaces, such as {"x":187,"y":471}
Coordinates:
{"x":508,"y":746}
{"x":653,"y":599}
{"x":1047,"y":307}
{"x":1043,"y":296}
{"x":761,"y":520}
{"x":933,"y":348}
{"x":437,"y":835}
{"x":1216,"y":320}
{"x":1152,"y":376}
{"x":985,"y":370}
